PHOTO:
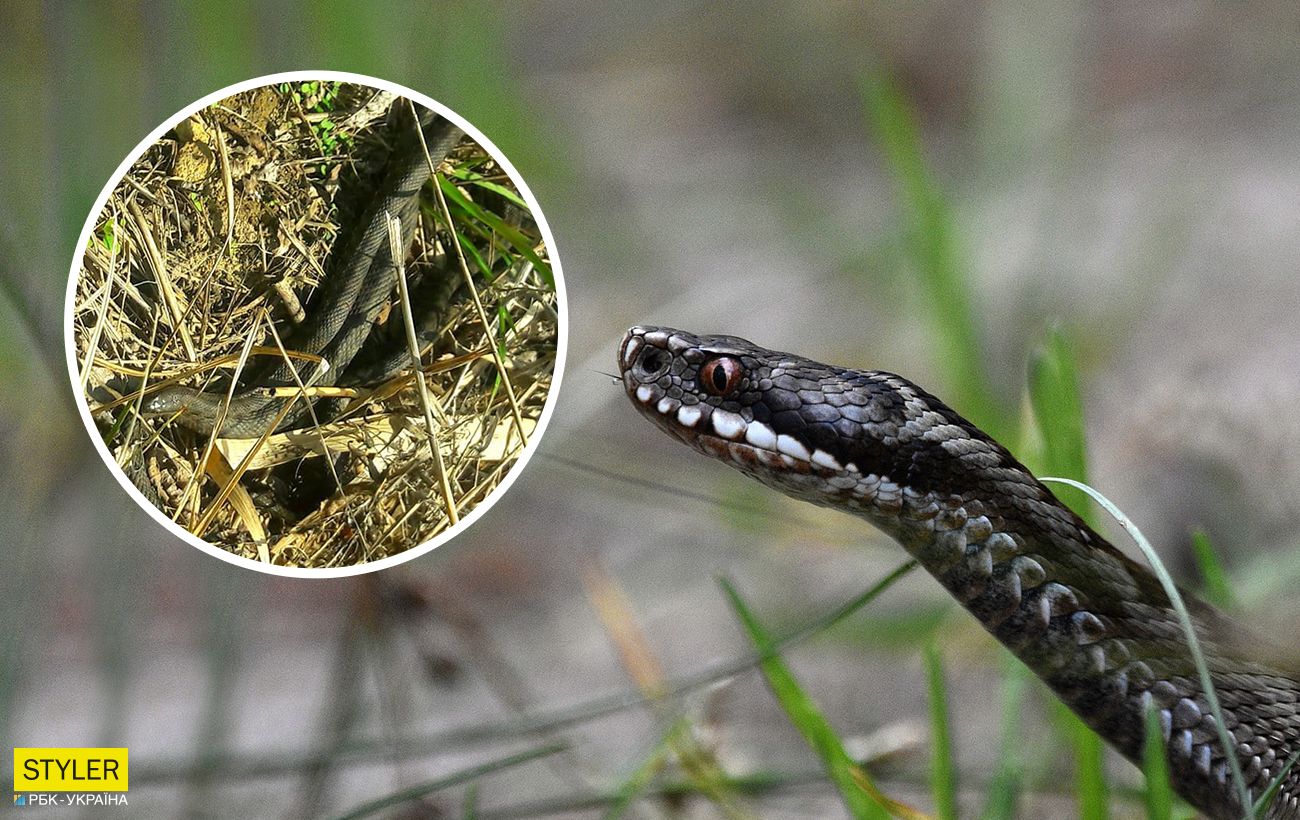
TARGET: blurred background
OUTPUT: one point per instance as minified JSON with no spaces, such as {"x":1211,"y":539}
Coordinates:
{"x":925,"y":188}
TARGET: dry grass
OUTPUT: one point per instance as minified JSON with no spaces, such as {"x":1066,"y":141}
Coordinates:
{"x":207,"y":253}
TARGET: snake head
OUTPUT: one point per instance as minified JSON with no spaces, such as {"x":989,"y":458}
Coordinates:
{"x":691,"y":386}
{"x":826,"y":433}
{"x":162,"y":403}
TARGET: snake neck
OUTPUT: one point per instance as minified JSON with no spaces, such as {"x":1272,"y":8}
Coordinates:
{"x":1098,"y":629}
{"x":1094,"y":625}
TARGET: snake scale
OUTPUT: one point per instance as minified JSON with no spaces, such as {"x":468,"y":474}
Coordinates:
{"x":1093,"y":624}
{"x":341,"y":318}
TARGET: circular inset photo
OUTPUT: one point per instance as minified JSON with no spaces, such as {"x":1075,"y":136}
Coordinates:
{"x":316,"y":323}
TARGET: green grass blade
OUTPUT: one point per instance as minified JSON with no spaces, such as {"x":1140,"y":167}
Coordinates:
{"x":846,"y":609}
{"x":943,"y":770}
{"x":1189,"y":632}
{"x":469,"y":805}
{"x":930,"y":238}
{"x":1217,"y":589}
{"x":636,"y":783}
{"x":806,"y":717}
{"x":1004,"y":790}
{"x":1057,"y":425}
{"x":478,"y":180}
{"x":473,"y":256}
{"x":1091,"y":788}
{"x":512,"y":235}
{"x":1159,"y":795}
{"x":1058,"y":413}
{"x":1266,"y":799}
{"x":454,"y":779}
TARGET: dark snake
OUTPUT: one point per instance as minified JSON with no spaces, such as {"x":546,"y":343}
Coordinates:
{"x":1096,"y":626}
{"x":343,"y":314}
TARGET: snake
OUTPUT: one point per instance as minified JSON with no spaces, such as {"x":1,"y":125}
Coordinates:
{"x":1094,"y":625}
{"x":343,"y":314}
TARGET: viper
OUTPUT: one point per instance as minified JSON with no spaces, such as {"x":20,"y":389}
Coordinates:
{"x":340,"y":320}
{"x":1093,"y":624}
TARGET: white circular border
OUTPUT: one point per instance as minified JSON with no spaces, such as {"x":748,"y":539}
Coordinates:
{"x":562,"y":308}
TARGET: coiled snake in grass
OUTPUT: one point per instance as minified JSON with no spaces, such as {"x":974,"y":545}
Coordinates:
{"x":1093,"y":624}
{"x":341,"y":318}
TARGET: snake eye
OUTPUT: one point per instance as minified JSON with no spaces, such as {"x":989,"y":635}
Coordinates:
{"x":720,"y":376}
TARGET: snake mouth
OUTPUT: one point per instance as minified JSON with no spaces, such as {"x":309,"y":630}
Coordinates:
{"x":662,"y":375}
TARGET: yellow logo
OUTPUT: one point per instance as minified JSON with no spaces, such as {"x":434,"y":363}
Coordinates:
{"x":70,"y":770}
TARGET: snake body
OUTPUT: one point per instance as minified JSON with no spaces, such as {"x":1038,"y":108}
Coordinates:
{"x":1093,"y":624}
{"x":343,"y":314}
